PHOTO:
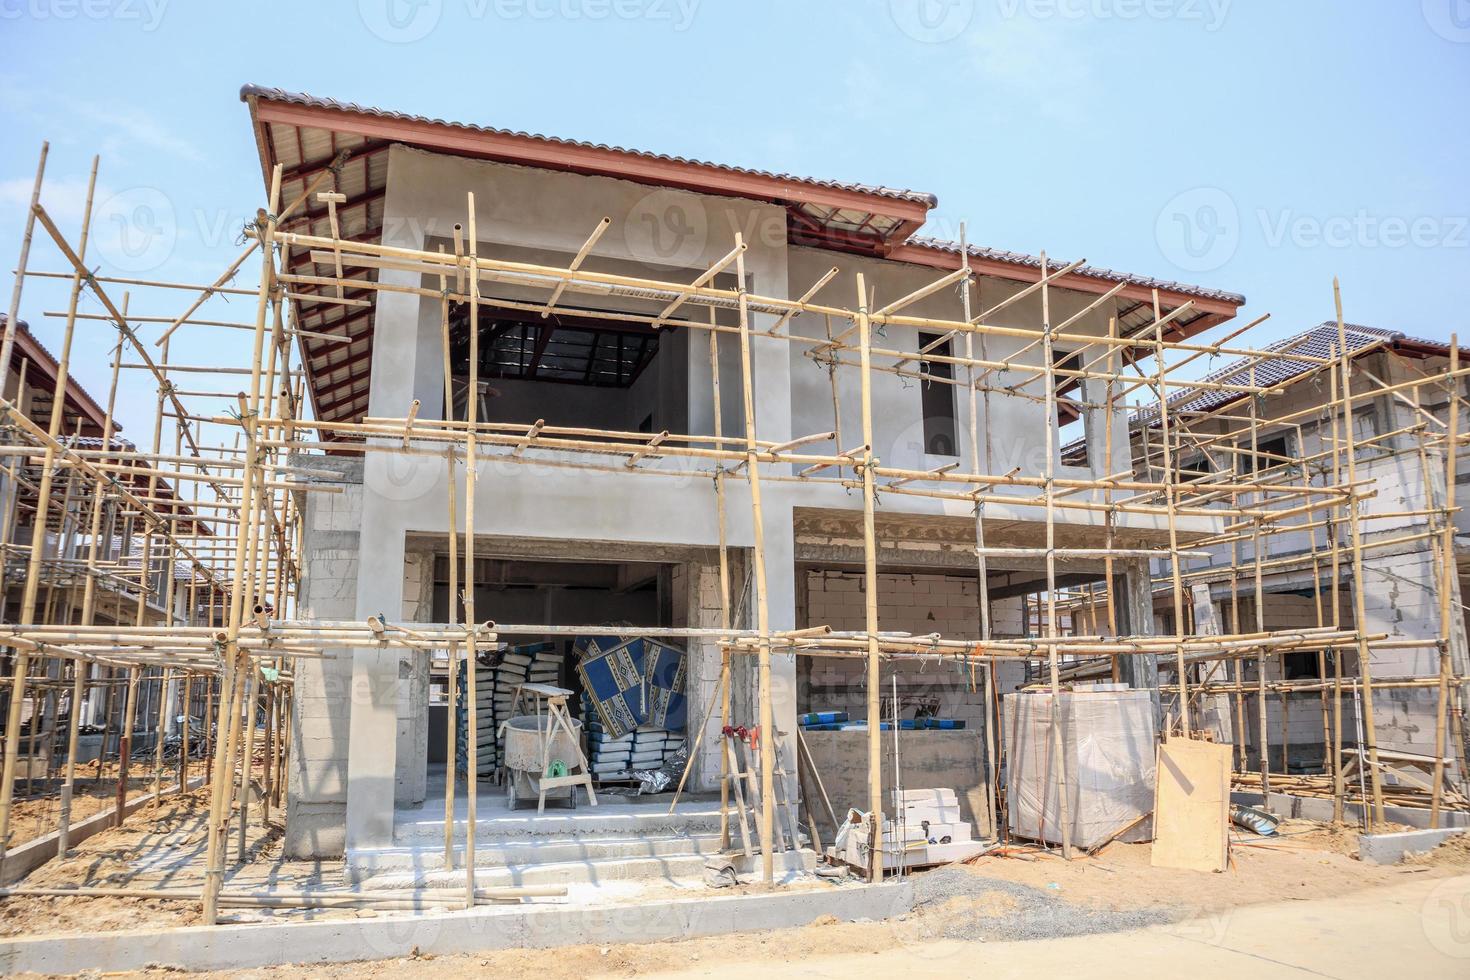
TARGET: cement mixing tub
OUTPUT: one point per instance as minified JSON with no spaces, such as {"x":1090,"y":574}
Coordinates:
{"x":533,"y":747}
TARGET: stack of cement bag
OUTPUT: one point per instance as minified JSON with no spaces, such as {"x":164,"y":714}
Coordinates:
{"x":641,"y":750}
{"x":487,"y":751}
{"x":495,"y":686}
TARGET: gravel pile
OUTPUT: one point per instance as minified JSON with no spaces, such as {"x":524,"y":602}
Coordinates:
{"x":1011,"y":911}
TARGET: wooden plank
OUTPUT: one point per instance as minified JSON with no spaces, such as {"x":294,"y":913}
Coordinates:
{"x":1192,"y":805}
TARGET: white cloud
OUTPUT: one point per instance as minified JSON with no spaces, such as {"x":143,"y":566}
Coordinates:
{"x":1036,"y":65}
{"x":63,"y":197}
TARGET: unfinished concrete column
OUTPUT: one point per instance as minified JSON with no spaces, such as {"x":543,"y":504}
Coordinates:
{"x":1139,"y":671}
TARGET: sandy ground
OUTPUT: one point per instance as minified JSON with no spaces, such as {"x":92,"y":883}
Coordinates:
{"x":1419,"y":926}
{"x":161,"y":846}
{"x":39,"y":815}
{"x":983,"y":905}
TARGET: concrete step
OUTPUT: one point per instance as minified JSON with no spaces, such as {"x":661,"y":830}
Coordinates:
{"x":583,"y":822}
{"x":529,"y":851}
{"x":670,"y":867}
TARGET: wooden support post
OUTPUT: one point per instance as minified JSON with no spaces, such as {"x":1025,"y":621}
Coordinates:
{"x":1373,"y":813}
{"x":43,"y":497}
{"x":235,"y":663}
{"x":1449,"y":618}
{"x":870,"y":593}
{"x":13,"y":317}
{"x":725,"y":618}
{"x":1059,"y":748}
{"x":452,"y":728}
{"x":472,"y":407}
{"x":762,"y":604}
{"x":247,"y":756}
{"x":125,"y":744}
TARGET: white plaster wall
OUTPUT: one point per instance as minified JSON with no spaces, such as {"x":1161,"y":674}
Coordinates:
{"x":530,"y":209}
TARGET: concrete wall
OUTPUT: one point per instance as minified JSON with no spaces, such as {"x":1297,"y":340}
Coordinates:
{"x":316,"y":787}
{"x":914,"y":603}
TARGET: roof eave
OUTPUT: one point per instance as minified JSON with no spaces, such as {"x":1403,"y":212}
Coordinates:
{"x":596,"y":161}
{"x":1214,"y":311}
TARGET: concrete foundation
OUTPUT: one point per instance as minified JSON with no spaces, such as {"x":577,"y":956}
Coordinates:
{"x":228,"y":947}
{"x":1393,"y":848}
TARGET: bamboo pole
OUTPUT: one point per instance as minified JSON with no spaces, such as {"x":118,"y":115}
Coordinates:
{"x":1447,"y":614}
{"x":762,"y":603}
{"x":870,"y":596}
{"x":451,"y":729}
{"x":1059,"y":749}
{"x":43,"y":504}
{"x":234,"y":662}
{"x":13,"y":316}
{"x":725,"y":616}
{"x":472,"y":407}
{"x":1373,"y":813}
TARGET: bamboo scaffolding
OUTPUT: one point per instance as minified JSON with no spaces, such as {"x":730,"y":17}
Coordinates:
{"x":233,"y":558}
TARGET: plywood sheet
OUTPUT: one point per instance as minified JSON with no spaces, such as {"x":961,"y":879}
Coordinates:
{"x":1192,"y":805}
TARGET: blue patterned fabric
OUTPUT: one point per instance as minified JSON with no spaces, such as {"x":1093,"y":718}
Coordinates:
{"x":664,"y":682}
{"x":632,"y":681}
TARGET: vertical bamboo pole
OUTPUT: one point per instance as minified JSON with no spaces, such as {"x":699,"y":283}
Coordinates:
{"x":452,"y":727}
{"x":163,"y":686}
{"x":125,"y":744}
{"x":89,"y":606}
{"x":235,"y":664}
{"x":8,"y":344}
{"x":43,"y":498}
{"x":1171,"y":503}
{"x":247,"y":756}
{"x":870,"y":594}
{"x":1258,"y":499}
{"x":762,"y":605}
{"x":472,"y":409}
{"x":982,"y":563}
{"x":187,"y":697}
{"x":1059,"y":749}
{"x":720,"y":520}
{"x":1447,"y":557}
{"x":1373,"y":813}
{"x":1334,"y":537}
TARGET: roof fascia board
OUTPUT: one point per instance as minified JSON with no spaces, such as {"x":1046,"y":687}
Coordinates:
{"x":594,"y":160}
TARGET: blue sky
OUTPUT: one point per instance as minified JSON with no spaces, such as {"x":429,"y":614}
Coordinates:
{"x":1261,"y":147}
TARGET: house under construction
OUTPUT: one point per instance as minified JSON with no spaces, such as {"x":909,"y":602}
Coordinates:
{"x":725,"y":474}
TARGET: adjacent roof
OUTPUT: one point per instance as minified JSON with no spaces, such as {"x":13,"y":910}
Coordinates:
{"x":1212,"y":306}
{"x":1320,"y":341}
{"x":307,"y":134}
{"x":41,"y":369}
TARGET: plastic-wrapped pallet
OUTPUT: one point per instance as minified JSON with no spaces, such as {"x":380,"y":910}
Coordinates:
{"x":1108,"y":743}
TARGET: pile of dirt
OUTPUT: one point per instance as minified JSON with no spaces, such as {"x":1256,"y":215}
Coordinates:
{"x":1453,"y":853}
